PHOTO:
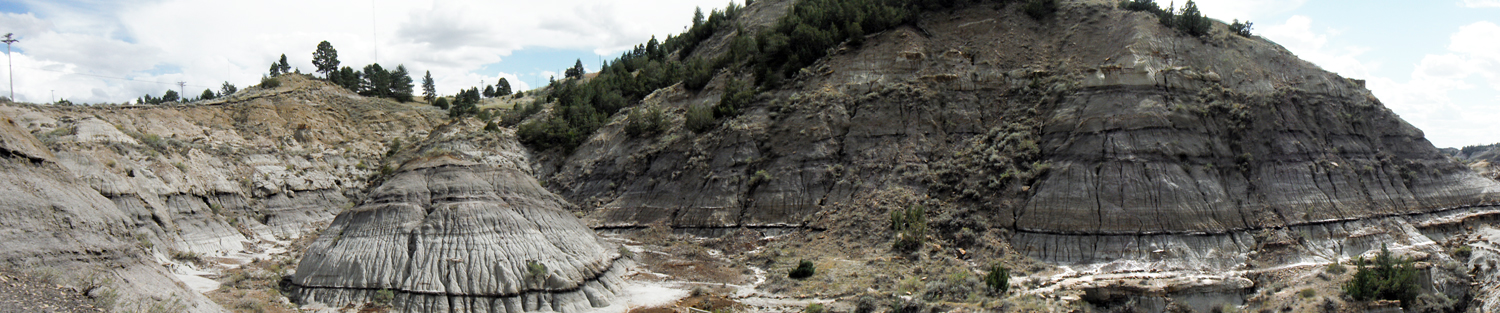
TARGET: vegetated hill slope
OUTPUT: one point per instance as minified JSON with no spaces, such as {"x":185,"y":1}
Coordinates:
{"x":108,"y":194}
{"x":1078,"y":133}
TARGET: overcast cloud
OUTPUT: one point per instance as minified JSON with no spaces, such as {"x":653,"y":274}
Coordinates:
{"x":93,"y":51}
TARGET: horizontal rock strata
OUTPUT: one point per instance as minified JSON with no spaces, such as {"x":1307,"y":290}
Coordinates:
{"x":450,"y":235}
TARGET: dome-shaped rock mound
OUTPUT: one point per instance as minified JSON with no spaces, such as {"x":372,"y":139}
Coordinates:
{"x":448,"y":235}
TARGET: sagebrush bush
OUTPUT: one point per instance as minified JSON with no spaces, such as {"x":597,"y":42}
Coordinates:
{"x":699,"y":119}
{"x":269,"y":82}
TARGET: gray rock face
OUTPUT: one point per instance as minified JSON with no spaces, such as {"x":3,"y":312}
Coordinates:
{"x":447,"y":235}
{"x":54,"y":223}
{"x":1084,"y":140}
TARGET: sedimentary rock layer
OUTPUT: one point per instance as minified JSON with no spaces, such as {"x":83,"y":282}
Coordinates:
{"x":450,"y":235}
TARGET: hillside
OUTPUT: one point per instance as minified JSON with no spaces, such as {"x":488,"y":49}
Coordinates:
{"x":1096,"y":139}
{"x":140,"y":199}
{"x":1091,"y":156}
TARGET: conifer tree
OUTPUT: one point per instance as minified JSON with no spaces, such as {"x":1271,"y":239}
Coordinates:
{"x":401,"y":84}
{"x":326,"y":59}
{"x":502,"y":88}
{"x":429,"y":88}
{"x":284,"y":67}
{"x":227,"y":89}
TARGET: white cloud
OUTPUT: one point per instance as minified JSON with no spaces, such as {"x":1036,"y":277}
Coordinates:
{"x":1297,"y":35}
{"x":100,"y":51}
{"x":1481,"y":3}
{"x":1227,"y":10}
{"x":1438,"y":97}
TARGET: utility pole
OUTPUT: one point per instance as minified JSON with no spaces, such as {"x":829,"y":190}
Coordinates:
{"x":181,"y":91}
{"x":8,"y":64}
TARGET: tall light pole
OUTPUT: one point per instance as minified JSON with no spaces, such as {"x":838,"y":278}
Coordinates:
{"x":11,"y":68}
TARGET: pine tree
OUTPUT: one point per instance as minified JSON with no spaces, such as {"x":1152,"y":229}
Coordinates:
{"x":326,"y":59}
{"x":429,"y":88}
{"x":697,"y":17}
{"x":207,"y":94}
{"x":489,"y":91}
{"x":285,"y":68}
{"x":401,"y":84}
{"x":502,"y":88}
{"x":275,"y":69}
{"x":169,"y":96}
{"x":576,"y":71}
{"x":376,"y":83}
{"x":227,"y":89}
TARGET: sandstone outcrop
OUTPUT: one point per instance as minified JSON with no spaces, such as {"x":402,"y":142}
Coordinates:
{"x":461,"y":228}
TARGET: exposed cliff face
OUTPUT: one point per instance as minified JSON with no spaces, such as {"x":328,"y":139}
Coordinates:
{"x":206,"y":179}
{"x":1110,"y":126}
{"x":461,"y":227}
{"x":57,"y":226}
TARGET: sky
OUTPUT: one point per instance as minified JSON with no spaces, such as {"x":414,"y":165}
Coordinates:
{"x":1435,"y":63}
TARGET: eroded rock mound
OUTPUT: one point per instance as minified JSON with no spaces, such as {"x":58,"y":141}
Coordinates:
{"x":448,"y":234}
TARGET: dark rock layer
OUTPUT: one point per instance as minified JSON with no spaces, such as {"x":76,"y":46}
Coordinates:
{"x":1081,"y":139}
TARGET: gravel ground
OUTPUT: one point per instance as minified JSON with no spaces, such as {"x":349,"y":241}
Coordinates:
{"x":25,"y":293}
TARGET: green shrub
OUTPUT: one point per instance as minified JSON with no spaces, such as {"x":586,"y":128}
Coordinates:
{"x":1386,"y":278}
{"x":269,"y":82}
{"x":1040,"y":9}
{"x":1307,"y":293}
{"x":520,"y":112}
{"x":1242,"y":29}
{"x":813,"y":308}
{"x":384,"y":297}
{"x":700,"y":119}
{"x":760,"y":176}
{"x":804,"y":269}
{"x":736,"y":95}
{"x":1140,"y":5}
{"x":640,"y":123}
{"x":441,"y":103}
{"x":910,"y":226}
{"x":1336,"y":268}
{"x":998,"y":279}
{"x":1463,"y":252}
{"x":536,"y":274}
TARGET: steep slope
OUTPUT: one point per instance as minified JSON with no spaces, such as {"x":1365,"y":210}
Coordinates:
{"x":461,"y":227}
{"x":56,"y":226}
{"x":192,"y":186}
{"x":1098,"y":123}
